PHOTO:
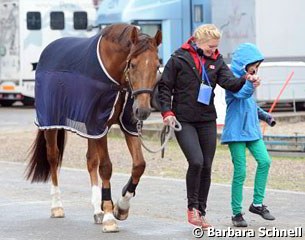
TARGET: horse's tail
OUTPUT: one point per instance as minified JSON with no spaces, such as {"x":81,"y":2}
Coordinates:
{"x":38,"y":169}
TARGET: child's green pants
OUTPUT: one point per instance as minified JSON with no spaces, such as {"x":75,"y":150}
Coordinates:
{"x":238,"y":154}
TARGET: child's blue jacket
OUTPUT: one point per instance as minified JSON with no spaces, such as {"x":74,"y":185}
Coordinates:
{"x":242,"y":122}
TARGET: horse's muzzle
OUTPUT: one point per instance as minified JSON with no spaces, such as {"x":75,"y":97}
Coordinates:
{"x":142,"y":113}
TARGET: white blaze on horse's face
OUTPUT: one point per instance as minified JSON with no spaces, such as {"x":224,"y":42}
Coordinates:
{"x":144,"y":63}
{"x":143,"y":78}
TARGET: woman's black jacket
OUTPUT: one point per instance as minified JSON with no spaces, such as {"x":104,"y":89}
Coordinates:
{"x":179,"y":86}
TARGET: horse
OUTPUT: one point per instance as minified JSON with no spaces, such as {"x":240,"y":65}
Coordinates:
{"x":118,"y":68}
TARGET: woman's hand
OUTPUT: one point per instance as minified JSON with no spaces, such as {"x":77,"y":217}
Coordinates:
{"x":169,"y":121}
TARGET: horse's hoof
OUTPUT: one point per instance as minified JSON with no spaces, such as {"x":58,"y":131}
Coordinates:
{"x":98,"y":218}
{"x":110,"y":226}
{"x":57,"y":212}
{"x":120,"y":214}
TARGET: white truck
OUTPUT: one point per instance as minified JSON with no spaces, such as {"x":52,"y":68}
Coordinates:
{"x":26,"y":28}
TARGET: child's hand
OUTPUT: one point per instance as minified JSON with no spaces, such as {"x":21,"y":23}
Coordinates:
{"x":257,"y":83}
{"x":254,"y":79}
{"x":271,"y":121}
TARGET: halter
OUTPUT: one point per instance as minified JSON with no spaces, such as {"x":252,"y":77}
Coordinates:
{"x":138,"y":91}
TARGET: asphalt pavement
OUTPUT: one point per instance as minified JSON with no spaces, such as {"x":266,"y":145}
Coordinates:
{"x":158,"y":210}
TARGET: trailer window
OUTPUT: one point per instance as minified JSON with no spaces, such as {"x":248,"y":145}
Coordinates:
{"x":148,"y":27}
{"x":57,"y":20}
{"x":80,"y":20}
{"x":33,"y":20}
{"x":198,"y":13}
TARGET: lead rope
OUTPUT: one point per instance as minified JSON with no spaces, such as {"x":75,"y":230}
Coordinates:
{"x":167,"y":133}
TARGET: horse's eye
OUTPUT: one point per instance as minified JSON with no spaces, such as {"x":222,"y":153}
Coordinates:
{"x":132,"y":65}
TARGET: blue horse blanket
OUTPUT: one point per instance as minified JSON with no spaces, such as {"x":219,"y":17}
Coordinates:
{"x":73,"y":91}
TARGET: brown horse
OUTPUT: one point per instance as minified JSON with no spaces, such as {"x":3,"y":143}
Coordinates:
{"x":129,"y":59}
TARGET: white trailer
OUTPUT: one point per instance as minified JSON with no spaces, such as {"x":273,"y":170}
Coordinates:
{"x":26,"y":28}
{"x":276,"y":27}
{"x":274,"y":76}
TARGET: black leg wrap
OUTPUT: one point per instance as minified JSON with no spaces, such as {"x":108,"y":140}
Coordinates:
{"x":130,"y":187}
{"x":106,"y":194}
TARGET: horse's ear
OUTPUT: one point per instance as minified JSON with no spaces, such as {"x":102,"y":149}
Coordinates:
{"x":158,"y":37}
{"x":134,"y":35}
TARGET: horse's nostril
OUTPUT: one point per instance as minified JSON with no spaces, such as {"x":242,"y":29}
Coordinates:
{"x":142,"y":113}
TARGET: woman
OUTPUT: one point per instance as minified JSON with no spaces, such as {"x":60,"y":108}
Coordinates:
{"x":242,"y":130}
{"x":186,"y":94}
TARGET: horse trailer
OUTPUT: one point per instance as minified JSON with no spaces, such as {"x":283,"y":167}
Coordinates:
{"x":177,"y":19}
{"x":256,"y":21}
{"x":27,"y":27}
{"x":240,"y":21}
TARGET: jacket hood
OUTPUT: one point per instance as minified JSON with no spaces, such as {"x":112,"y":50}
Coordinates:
{"x":245,"y":53}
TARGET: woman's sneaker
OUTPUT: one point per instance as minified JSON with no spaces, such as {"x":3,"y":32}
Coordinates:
{"x":194,"y":217}
{"x":239,"y":221}
{"x":262,"y":211}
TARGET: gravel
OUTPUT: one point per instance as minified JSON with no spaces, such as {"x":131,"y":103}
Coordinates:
{"x":285,"y":173}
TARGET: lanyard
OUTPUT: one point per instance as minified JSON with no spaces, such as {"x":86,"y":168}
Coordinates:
{"x":204,"y":73}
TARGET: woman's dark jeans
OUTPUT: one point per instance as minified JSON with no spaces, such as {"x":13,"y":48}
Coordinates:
{"x":198,"y":143}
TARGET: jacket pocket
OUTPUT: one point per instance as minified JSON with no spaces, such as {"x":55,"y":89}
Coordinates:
{"x":245,"y":120}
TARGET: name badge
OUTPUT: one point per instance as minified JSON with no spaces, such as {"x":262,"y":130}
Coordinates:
{"x":205,"y":93}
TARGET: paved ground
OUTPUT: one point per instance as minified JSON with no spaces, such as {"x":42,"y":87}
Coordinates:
{"x":158,"y":210}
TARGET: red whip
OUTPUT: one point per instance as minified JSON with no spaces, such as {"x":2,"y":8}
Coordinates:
{"x":278,"y":97}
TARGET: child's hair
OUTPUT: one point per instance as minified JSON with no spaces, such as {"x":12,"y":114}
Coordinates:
{"x":206,"y":32}
{"x":251,"y":64}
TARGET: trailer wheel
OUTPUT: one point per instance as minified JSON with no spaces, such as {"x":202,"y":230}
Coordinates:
{"x":6,"y":103}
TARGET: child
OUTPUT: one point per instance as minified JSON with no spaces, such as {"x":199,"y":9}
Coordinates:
{"x":242,"y":130}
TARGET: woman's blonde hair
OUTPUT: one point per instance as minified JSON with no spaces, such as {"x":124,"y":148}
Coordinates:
{"x":206,"y":32}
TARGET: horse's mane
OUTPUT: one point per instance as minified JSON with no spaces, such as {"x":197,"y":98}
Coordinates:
{"x":120,"y":35}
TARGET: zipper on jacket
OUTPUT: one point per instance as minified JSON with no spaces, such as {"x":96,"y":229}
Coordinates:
{"x":193,"y":67}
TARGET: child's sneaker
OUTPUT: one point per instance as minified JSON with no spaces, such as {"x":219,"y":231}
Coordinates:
{"x":193,"y":217}
{"x":262,"y":211}
{"x":239,"y":221}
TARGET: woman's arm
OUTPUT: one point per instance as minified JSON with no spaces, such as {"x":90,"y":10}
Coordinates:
{"x":166,"y":86}
{"x":228,"y":81}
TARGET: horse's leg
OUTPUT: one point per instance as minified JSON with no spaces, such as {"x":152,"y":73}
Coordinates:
{"x":92,"y":165}
{"x":53,"y":156}
{"x":121,"y":208}
{"x":105,"y":171}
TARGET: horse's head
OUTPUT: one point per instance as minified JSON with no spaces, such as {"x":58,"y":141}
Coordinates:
{"x":141,"y":70}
